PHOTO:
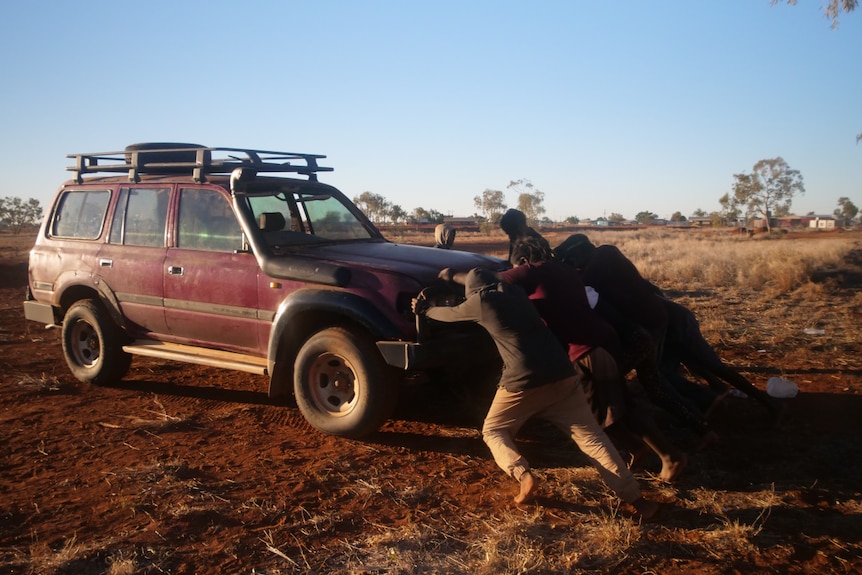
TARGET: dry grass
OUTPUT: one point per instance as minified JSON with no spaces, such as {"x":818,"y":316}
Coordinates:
{"x":753,"y":295}
{"x":686,"y":261}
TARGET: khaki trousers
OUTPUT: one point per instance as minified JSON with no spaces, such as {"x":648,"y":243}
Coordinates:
{"x":563,"y":404}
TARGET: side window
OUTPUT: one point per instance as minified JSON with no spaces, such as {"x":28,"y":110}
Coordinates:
{"x":206,"y":222}
{"x":140,"y":216}
{"x":80,"y":214}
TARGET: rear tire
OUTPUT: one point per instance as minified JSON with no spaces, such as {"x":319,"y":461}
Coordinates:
{"x":93,"y":344}
{"x":342,"y":385}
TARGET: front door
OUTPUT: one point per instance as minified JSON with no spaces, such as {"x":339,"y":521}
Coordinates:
{"x":210,"y":282}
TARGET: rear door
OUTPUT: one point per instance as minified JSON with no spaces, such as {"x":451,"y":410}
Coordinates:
{"x":210,"y":283}
{"x":130,"y":263}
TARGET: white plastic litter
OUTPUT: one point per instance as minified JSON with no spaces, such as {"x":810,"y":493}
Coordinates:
{"x":781,"y":388}
{"x":814,"y":331}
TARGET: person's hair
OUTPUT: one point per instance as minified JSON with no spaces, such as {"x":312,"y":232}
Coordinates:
{"x":575,"y":250}
{"x":531,"y":250}
{"x":513,"y":222}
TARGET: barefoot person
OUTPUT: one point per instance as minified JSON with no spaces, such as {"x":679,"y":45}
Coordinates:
{"x":561,"y":300}
{"x":538,"y":380}
{"x":640,"y":317}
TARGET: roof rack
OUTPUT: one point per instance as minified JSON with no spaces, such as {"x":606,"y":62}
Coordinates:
{"x":192,"y":159}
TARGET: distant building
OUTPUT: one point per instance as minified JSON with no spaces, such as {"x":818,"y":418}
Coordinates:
{"x":822,"y":222}
{"x":790,"y":222}
{"x":463,"y":221}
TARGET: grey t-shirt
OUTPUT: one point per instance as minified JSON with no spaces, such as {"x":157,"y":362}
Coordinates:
{"x":532,"y":356}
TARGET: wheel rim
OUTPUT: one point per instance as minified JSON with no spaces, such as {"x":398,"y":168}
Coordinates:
{"x":86,"y":346}
{"x":333,"y":384}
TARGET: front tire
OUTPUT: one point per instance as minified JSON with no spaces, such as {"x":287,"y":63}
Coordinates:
{"x":93,"y":344}
{"x":342,"y":385}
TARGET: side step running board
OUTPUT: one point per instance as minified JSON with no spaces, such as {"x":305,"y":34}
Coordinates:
{"x":201,"y":356}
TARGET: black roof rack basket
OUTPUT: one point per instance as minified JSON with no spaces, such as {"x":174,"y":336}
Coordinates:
{"x":198,"y":161}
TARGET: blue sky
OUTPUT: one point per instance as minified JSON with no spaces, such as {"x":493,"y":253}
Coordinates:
{"x":605,"y":107}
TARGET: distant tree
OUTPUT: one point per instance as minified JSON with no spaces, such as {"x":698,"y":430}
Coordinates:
{"x":375,"y":206}
{"x":729,"y":210}
{"x":396,"y":213}
{"x":16,"y":213}
{"x":574,"y":220}
{"x":436,"y":217}
{"x":491,"y":204}
{"x":678,"y":217}
{"x":699,"y":213}
{"x":530,"y":200}
{"x":846,"y":209}
{"x":419,"y":216}
{"x":768,"y":189}
{"x":717,"y":219}
{"x":833,"y":8}
{"x":645,"y":217}
{"x":616,"y":218}
{"x":781,"y":211}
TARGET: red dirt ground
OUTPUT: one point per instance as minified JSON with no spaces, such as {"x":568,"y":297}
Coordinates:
{"x":187,"y":469}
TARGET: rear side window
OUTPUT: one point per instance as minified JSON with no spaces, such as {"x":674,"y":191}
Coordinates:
{"x":140,"y":216}
{"x":80,"y":214}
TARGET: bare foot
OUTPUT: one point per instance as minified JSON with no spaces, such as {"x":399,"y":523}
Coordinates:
{"x":645,"y":508}
{"x":529,"y":485}
{"x":670,"y":470}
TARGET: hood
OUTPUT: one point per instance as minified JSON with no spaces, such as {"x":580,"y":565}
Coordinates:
{"x":333,"y":264}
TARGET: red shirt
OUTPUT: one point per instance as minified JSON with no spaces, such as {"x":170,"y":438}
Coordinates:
{"x":558,"y":294}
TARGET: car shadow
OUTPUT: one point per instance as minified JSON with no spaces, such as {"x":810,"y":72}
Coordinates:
{"x":201,"y":392}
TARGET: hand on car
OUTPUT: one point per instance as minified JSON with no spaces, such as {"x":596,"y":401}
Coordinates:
{"x":419,"y":305}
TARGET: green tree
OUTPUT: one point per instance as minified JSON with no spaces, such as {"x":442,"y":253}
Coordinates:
{"x":530,"y":200}
{"x":846,"y":209}
{"x":616,"y":218}
{"x":645,"y":217}
{"x":769,"y":188}
{"x":396,"y":213}
{"x":419,"y":215}
{"x":16,"y":213}
{"x":491,"y":204}
{"x":574,"y":220}
{"x":729,"y":210}
{"x":699,"y":213}
{"x":374,"y":205}
{"x":678,"y":217}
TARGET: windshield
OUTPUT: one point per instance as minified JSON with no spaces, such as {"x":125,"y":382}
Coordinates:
{"x":288,"y":217}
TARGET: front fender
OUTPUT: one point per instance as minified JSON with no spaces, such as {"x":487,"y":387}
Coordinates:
{"x":307,"y":311}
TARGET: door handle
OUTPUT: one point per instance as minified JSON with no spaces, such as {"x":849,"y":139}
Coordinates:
{"x":175,"y":270}
{"x":106,"y":263}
